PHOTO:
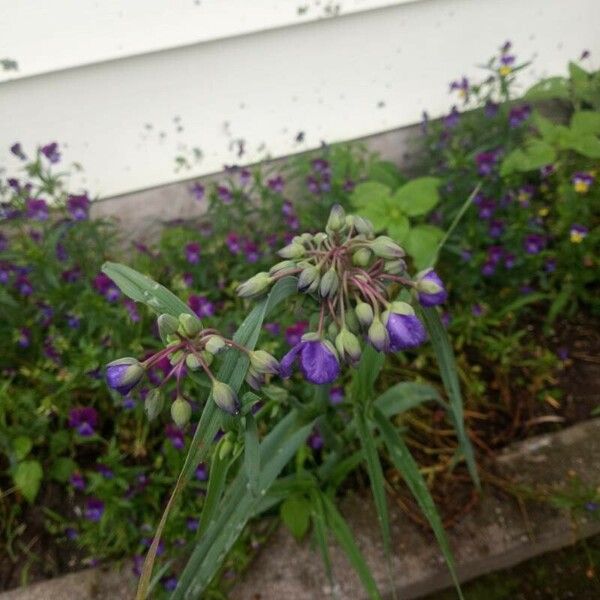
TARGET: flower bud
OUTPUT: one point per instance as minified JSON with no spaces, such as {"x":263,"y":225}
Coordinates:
{"x":332,"y":330}
{"x":363,"y":226}
{"x":395,"y":267}
{"x":153,"y":404}
{"x":337,"y":219}
{"x":293,"y":250}
{"x":263,"y":362}
{"x":207,"y":357}
{"x":225,"y":398}
{"x":181,"y":411}
{"x":214,"y":344}
{"x":282,"y":266}
{"x":192,"y":362}
{"x":319,"y":238}
{"x":307,"y":278}
{"x":329,"y":283}
{"x":124,"y":374}
{"x":348,"y":346}
{"x":377,"y":335}
{"x":190,"y":325}
{"x":167,"y":326}
{"x":361,"y":257}
{"x":385,"y":247}
{"x":430,"y":288}
{"x":364,"y":313}
{"x":255,"y":285}
{"x":351,"y":321}
{"x":254,"y":379}
{"x":225,"y":447}
{"x":176,"y":357}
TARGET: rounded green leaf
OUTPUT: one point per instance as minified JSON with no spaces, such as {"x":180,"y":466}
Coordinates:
{"x":398,"y":226}
{"x":369,"y":193}
{"x":386,"y":172}
{"x":28,"y":477}
{"x":417,"y":197}
{"x":295,"y":513}
{"x":21,"y":446}
{"x":421,"y":243}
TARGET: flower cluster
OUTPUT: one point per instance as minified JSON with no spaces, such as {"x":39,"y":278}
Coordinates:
{"x":353,"y":274}
{"x":189,"y":346}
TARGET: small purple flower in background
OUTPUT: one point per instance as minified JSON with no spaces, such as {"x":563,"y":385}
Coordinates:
{"x":36,"y":209}
{"x":490,"y":109}
{"x":23,"y":285}
{"x":192,"y":524}
{"x":233,"y":242}
{"x":294,"y":333}
{"x":170,"y":583}
{"x":17,"y":150}
{"x":315,"y":440}
{"x":336,"y":395}
{"x":317,"y":359}
{"x":201,"y":305}
{"x":132,"y":310}
{"x":287,"y":209}
{"x":272,"y":328}
{"x":197,"y":191}
{"x":321,"y":165}
{"x":61,"y":252}
{"x":245,"y":176}
{"x":525,"y":194}
{"x":3,"y":242}
{"x":94,"y":509}
{"x":84,"y":420}
{"x":488,"y":268}
{"x":71,"y":275}
{"x":128,"y":403}
{"x":534,"y":243}
{"x":71,"y":533}
{"x":506,"y":63}
{"x":477,"y":310}
{"x":51,"y":152}
{"x":486,"y":206}
{"x":547,"y":170}
{"x":486,"y":161}
{"x":577,"y":233}
{"x":496,"y":228}
{"x":35,"y":235}
{"x":137,"y":564}
{"x":526,"y":289}
{"x":277,"y":184}
{"x":77,"y":481}
{"x":582,"y":181}
{"x":251,"y":251}
{"x":73,"y":321}
{"x":509,"y":260}
{"x":175,"y":435}
{"x":201,"y":472}
{"x":78,"y":206}
{"x":192,"y":253}
{"x":592,"y":506}
{"x":348,"y":185}
{"x":105,"y":471}
{"x":224,"y":194}
{"x":313,"y":185}
{"x":188,"y":279}
{"x":462,"y":87}
{"x":452,"y":119}
{"x":105,"y":286}
{"x":466,"y":255}
{"x":518,"y":115}
{"x":550,"y":265}
{"x":24,"y":337}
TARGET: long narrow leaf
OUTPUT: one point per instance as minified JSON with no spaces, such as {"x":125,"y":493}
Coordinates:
{"x":408,"y":468}
{"x":252,"y":455}
{"x":216,"y":484}
{"x":405,"y":396}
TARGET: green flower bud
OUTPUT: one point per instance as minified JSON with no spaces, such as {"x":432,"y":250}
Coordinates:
{"x":263,"y":362}
{"x":167,"y":326}
{"x":225,"y":398}
{"x":337,"y":219}
{"x":207,"y":357}
{"x":377,"y":334}
{"x":190,"y":325}
{"x":181,"y":411}
{"x":352,"y":322}
{"x":284,"y":265}
{"x":225,"y":447}
{"x":153,"y":404}
{"x":192,"y":362}
{"x":332,"y":330}
{"x":364,"y":313}
{"x":307,"y":278}
{"x":214,"y":344}
{"x":176,"y":357}
{"x":363,"y":226}
{"x":361,"y":257}
{"x":395,"y":267}
{"x":293,"y":250}
{"x":255,"y":285}
{"x":319,"y":238}
{"x":329,"y":284}
{"x":254,"y":379}
{"x":401,"y":308}
{"x":348,"y":346}
{"x":385,"y":247}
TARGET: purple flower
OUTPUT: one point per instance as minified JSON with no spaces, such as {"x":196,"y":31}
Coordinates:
{"x":272,"y":328}
{"x":36,"y":209}
{"x":61,"y":252}
{"x":287,"y":209}
{"x":592,"y":506}
{"x":71,"y":275}
{"x":175,"y":435}
{"x":71,"y":533}
{"x":321,"y":166}
{"x":132,"y":310}
{"x":577,"y":233}
{"x":124,"y":374}
{"x":78,"y":206}
{"x":550,"y":265}
{"x":170,"y":583}
{"x":490,"y":109}
{"x":23,"y":285}
{"x":137,"y":564}
{"x":477,"y":309}
{"x":534,"y":243}
{"x":24,"y":337}
{"x":3,"y":242}
{"x":94,"y":509}
{"x":461,"y":86}
{"x":466,"y":255}
{"x":105,"y":471}
{"x":509,"y":260}
{"x":452,"y":119}
{"x":315,"y":440}
{"x":105,"y":286}
{"x":50,"y":151}
{"x":430,"y":288}
{"x":336,"y":396}
{"x":294,"y":333}
{"x":547,"y":170}
{"x":233,"y":242}
{"x":251,"y":251}
{"x":18,"y":151}
{"x":245,"y":176}
{"x":506,"y":64}
{"x":518,"y":115}
{"x":192,"y":524}
{"x":84,"y":420}
{"x":318,"y":361}
{"x":197,"y":191}
{"x":404,"y":328}
{"x":486,"y":161}
{"x":192,"y":253}
{"x":276,"y":184}
{"x":486,"y":206}
{"x":582,"y":180}
{"x":224,"y":194}
{"x":525,"y":194}
{"x":201,"y":305}
{"x":201,"y":472}
{"x":77,"y":481}
{"x":496,"y":228}
{"x":188,"y":279}
{"x":73,"y":321}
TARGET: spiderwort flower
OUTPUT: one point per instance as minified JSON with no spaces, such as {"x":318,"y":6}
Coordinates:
{"x":105,"y":471}
{"x":404,"y":328}
{"x":582,"y":181}
{"x":577,"y":233}
{"x":317,"y":358}
{"x":84,"y":420}
{"x":430,"y":288}
{"x":94,"y":509}
{"x":124,"y":374}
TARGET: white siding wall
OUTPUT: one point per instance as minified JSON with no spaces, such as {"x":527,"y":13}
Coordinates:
{"x":126,"y":86}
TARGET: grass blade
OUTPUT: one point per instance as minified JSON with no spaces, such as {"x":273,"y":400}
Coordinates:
{"x":252,"y":455}
{"x":405,"y":396}
{"x":219,"y":468}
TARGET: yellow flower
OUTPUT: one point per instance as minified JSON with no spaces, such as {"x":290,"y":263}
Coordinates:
{"x":543,"y":212}
{"x":581,"y":187}
{"x":577,"y":237}
{"x":505,"y":70}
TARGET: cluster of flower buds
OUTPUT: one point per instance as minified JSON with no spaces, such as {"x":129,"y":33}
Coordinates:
{"x":351,"y":273}
{"x":188,"y":346}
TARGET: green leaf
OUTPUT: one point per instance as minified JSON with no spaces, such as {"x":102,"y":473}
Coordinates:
{"x":21,"y":446}
{"x":363,"y":379}
{"x":385,"y":172}
{"x":398,"y":226}
{"x":369,"y":193}
{"x":586,"y":122}
{"x":345,"y":539}
{"x":408,"y":468}
{"x":28,"y":477}
{"x":534,"y":155}
{"x":422,"y":244}
{"x":252,"y":455}
{"x":62,"y":468}
{"x":217,"y":478}
{"x":405,"y":396}
{"x":548,"y":89}
{"x":143,"y":289}
{"x":447,"y":366}
{"x":417,"y":197}
{"x":295,"y":513}
{"x":588,"y":145}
